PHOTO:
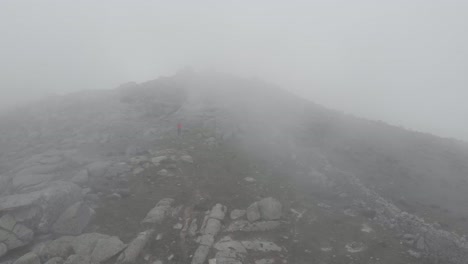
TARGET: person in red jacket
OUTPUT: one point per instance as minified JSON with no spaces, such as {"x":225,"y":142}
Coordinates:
{"x":179,"y":128}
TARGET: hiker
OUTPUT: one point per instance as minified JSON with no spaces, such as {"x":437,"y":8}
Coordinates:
{"x":179,"y":128}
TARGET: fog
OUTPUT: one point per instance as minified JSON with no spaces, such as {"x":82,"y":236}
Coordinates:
{"x":402,"y":62}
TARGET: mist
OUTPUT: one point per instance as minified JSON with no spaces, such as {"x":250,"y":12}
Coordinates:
{"x":402,"y":62}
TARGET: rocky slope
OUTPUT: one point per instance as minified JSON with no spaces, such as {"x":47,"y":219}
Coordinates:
{"x":257,"y":176}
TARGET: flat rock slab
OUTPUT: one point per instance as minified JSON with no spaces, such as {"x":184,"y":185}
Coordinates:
{"x":29,"y":258}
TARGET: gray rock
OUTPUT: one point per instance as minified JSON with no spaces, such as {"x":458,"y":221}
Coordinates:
{"x":218,"y":212}
{"x":60,"y":247}
{"x":186,"y":158}
{"x":158,"y":213}
{"x":29,"y":258}
{"x":192,"y":231}
{"x":261,"y":246}
{"x":52,"y":201}
{"x":246,"y":226}
{"x":80,"y":177}
{"x":78,"y":259}
{"x":28,"y":180}
{"x":98,"y":169}
{"x":157,"y":160}
{"x":253,"y":212}
{"x":19,"y":236}
{"x":265,"y":261}
{"x":212,"y":226}
{"x":73,"y":220}
{"x":106,"y":248}
{"x":227,"y":244}
{"x":414,"y":254}
{"x":163,"y":173}
{"x":56,"y":260}
{"x":236,"y":214}
{"x":270,"y":209}
{"x":118,"y":169}
{"x":3,"y":249}
{"x":7,"y":222}
{"x":134,"y":249}
{"x":206,"y":240}
{"x":84,"y":244}
{"x":200,"y":255}
{"x":420,"y":244}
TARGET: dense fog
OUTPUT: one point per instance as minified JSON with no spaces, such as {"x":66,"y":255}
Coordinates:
{"x":402,"y":62}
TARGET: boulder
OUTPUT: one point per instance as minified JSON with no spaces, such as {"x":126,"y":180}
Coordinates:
{"x":253,"y":212}
{"x":200,"y":255}
{"x":246,"y":226}
{"x":106,"y":249}
{"x":118,"y":169}
{"x":227,"y":244}
{"x":73,"y":220}
{"x":157,"y":160}
{"x":270,"y":208}
{"x":60,"y":247}
{"x":213,"y":226}
{"x":158,"y":213}
{"x":134,"y":249}
{"x":29,"y":258}
{"x":218,"y":212}
{"x":80,"y":177}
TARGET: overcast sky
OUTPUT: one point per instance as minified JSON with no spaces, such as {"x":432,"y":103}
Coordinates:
{"x":401,"y":61}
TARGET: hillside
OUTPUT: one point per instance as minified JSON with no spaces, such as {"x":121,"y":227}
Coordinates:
{"x":258,"y":175}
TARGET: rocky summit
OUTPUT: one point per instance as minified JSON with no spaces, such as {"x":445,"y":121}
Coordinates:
{"x":254,"y":175}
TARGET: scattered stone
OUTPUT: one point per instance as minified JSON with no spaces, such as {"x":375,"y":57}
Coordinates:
{"x":163,"y":173}
{"x":186,"y":158}
{"x":236,"y":214}
{"x":80,"y":177}
{"x":29,"y":258}
{"x":7,"y":222}
{"x":324,"y":205}
{"x":366,"y":229}
{"x":246,"y":226}
{"x":253,"y":212}
{"x":270,"y":208}
{"x":414,"y":254}
{"x":261,"y":246}
{"x":355,"y":247}
{"x":158,"y":213}
{"x":134,"y":249}
{"x":138,"y":170}
{"x":178,"y":226}
{"x":249,"y":179}
{"x":157,"y":160}
{"x":74,"y":220}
